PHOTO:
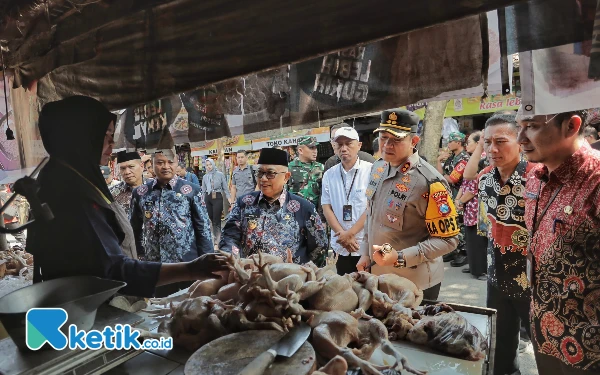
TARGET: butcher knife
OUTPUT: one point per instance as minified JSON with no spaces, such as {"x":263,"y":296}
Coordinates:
{"x":287,"y":346}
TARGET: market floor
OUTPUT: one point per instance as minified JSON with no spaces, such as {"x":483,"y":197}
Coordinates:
{"x":462,"y":288}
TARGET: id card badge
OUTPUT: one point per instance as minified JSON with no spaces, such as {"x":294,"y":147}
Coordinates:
{"x":214,"y":195}
{"x":347,"y":212}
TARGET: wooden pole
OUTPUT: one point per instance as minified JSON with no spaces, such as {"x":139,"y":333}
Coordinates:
{"x":432,"y":130}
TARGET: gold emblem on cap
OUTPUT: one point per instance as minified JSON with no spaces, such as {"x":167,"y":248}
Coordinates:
{"x":568,"y":210}
{"x":392,"y":118}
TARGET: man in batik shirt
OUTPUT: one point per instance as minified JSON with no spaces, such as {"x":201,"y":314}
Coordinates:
{"x":273,"y":220}
{"x":453,"y":169}
{"x":563,"y":216}
{"x":169,"y":218}
{"x":501,"y":193}
{"x":131,"y":170}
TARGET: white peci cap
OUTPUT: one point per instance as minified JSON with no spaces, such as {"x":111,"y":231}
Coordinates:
{"x":347,"y":132}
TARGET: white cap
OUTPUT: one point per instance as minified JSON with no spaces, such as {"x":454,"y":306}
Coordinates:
{"x":347,"y":132}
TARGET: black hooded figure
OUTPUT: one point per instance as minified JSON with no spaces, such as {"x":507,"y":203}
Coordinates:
{"x":84,"y":237}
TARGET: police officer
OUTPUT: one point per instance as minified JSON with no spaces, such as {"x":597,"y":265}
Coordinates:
{"x":273,"y":220}
{"x":411,"y":218}
{"x":306,"y":172}
{"x":453,"y":169}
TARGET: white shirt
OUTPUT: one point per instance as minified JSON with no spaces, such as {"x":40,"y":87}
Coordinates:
{"x":334,"y":193}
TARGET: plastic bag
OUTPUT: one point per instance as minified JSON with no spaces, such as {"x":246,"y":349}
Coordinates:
{"x":450,"y":333}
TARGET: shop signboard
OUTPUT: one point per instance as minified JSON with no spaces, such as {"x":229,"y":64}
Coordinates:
{"x":472,"y":106}
{"x":321,"y":134}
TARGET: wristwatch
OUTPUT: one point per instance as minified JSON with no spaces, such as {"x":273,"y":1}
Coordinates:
{"x":401,"y":262}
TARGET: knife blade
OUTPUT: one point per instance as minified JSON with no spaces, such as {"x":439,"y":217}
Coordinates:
{"x":287,"y":346}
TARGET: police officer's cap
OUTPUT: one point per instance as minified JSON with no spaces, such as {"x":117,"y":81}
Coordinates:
{"x":273,"y":156}
{"x":398,"y":122}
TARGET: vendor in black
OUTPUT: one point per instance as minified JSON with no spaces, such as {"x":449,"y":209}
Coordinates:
{"x":84,"y":236}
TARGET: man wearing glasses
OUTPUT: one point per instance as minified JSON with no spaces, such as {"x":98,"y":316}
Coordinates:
{"x":411,"y":218}
{"x":273,"y":220}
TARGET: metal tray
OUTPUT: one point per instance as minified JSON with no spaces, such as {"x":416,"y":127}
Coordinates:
{"x":80,"y":296}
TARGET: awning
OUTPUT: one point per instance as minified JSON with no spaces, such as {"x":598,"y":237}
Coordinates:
{"x":129,"y":52}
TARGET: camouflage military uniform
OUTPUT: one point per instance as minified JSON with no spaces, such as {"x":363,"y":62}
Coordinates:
{"x":306,"y":177}
{"x":306,"y":180}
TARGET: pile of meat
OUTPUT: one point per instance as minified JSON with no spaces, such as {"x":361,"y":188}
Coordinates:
{"x":265,"y":293}
{"x":16,"y":262}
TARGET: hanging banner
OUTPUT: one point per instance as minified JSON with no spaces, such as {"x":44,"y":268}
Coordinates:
{"x":231,"y":145}
{"x":556,"y":80}
{"x":321,"y":134}
{"x":354,"y":81}
{"x":205,"y":148}
{"x":472,"y":106}
{"x":235,"y":144}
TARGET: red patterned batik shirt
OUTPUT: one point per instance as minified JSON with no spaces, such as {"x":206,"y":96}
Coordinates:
{"x":472,"y":206}
{"x":566,"y":282}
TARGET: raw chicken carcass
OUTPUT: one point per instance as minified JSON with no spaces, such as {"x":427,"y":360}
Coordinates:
{"x":399,"y":324}
{"x":334,"y":331}
{"x":389,"y":292}
{"x":336,"y":366}
{"x":336,"y":295}
{"x":195,"y":322}
{"x":450,"y":333}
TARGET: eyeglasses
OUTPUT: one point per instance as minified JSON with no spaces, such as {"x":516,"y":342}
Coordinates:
{"x":391,"y":141}
{"x":270,"y":174}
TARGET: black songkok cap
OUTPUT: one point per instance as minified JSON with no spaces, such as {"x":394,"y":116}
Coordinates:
{"x":273,"y":156}
{"x":123,"y":156}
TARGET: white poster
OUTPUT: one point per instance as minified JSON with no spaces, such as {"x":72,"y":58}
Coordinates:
{"x":555,"y":80}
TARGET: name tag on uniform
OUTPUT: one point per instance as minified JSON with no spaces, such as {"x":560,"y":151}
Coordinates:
{"x":347,"y":212}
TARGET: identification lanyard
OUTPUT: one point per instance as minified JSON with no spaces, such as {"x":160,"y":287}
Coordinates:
{"x":536,"y":223}
{"x":351,"y":184}
{"x":347,"y":208}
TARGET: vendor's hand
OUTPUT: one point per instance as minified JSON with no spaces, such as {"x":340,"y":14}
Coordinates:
{"x":459,"y":206}
{"x":207,"y":265}
{"x":363,"y":263}
{"x":384,"y":259}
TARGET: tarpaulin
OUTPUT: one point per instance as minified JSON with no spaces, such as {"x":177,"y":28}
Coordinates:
{"x":393,"y":72}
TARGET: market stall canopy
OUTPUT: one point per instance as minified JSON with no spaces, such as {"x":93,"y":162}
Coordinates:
{"x":129,"y":52}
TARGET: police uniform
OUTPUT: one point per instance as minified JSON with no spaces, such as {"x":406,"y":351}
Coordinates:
{"x":288,"y":223}
{"x":411,"y":208}
{"x":306,"y":178}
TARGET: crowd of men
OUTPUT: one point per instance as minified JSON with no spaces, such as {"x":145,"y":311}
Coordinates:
{"x":517,"y":203}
